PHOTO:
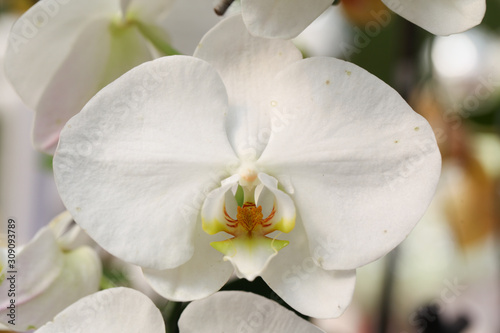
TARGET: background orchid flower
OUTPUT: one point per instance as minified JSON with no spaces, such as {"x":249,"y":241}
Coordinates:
{"x":51,"y":272}
{"x":124,"y":310}
{"x":200,"y":163}
{"x":61,"y":53}
{"x":286,"y":19}
{"x":440,"y":17}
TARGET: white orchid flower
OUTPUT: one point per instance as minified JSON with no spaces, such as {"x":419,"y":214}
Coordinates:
{"x":46,"y":275}
{"x":288,"y":18}
{"x":62,"y":52}
{"x":440,"y":17}
{"x":224,"y":151}
{"x":123,"y":310}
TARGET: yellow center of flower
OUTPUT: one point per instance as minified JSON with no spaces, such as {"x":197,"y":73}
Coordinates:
{"x":249,"y":216}
{"x":258,"y":209}
{"x":249,"y":220}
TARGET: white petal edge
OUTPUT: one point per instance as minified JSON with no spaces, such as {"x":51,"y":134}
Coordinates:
{"x":134,"y":167}
{"x":440,"y":17}
{"x":237,"y":311}
{"x":283,"y":19}
{"x":114,"y":310}
{"x":364,"y":166}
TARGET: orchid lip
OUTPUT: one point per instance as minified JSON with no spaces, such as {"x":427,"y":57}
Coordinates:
{"x":263,"y":209}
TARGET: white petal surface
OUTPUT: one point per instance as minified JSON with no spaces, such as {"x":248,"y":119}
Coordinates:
{"x":212,"y":211}
{"x":44,"y":81}
{"x":48,"y":23}
{"x":250,"y":256}
{"x":68,"y":89}
{"x":135,"y":165}
{"x":236,"y":311}
{"x":205,"y":273}
{"x":364,"y":166}
{"x":282,"y":19}
{"x":85,"y":54}
{"x":79,"y":277}
{"x":37,"y":265}
{"x":284,"y":219}
{"x":43,"y":273}
{"x":297,"y":278}
{"x":114,"y":310}
{"x":440,"y":17}
{"x":247,"y":65}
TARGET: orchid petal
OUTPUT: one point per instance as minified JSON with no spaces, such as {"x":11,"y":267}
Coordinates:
{"x":60,"y":224}
{"x":249,"y":256}
{"x":69,"y":235}
{"x":282,"y":19}
{"x":37,"y":264}
{"x":284,"y":217}
{"x":298,"y":279}
{"x":45,"y":77}
{"x":247,"y":65}
{"x":443,"y":17}
{"x":113,"y":310}
{"x":43,"y":274}
{"x":79,"y":277}
{"x":135,"y":165}
{"x":364,"y":167}
{"x":205,"y":273}
{"x":219,"y":200}
{"x":127,"y":49}
{"x":237,"y":311}
{"x":60,"y":79}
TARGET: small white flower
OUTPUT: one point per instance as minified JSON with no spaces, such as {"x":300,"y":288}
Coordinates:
{"x":228,"y":149}
{"x":61,"y":53}
{"x":50,"y":273}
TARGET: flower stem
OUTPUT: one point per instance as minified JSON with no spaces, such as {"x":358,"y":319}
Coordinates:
{"x":171,"y":314}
